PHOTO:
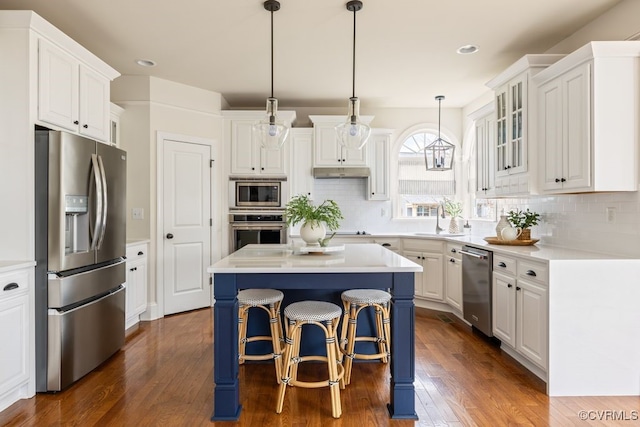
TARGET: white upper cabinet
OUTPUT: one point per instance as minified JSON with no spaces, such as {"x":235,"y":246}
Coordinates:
{"x":588,"y":107}
{"x":71,"y":95}
{"x":379,"y":164}
{"x":514,"y":124}
{"x":248,"y":157}
{"x":485,"y":131}
{"x":327,"y":149}
{"x":301,"y":178}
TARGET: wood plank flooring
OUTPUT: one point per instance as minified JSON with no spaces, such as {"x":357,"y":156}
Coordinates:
{"x":163,"y":376}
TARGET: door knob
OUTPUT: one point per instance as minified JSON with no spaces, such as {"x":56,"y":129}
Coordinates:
{"x":169,"y":236}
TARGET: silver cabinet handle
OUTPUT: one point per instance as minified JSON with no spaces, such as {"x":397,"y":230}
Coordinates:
{"x":471,"y":254}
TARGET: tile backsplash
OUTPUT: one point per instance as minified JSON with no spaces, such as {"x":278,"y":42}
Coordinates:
{"x":577,"y":221}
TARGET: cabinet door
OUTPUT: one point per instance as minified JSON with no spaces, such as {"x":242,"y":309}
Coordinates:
{"x":454,"y":283}
{"x":14,"y":336}
{"x":140,"y":293}
{"x":501,"y":159}
{"x":532,"y":322}
{"x":433,"y":280}
{"x":379,"y":163}
{"x":57,"y":87}
{"x":550,"y":134}
{"x":576,"y":114}
{"x":417,"y":258}
{"x":504,"y":308}
{"x":327,"y":151}
{"x":301,"y":181}
{"x":355,"y":157}
{"x":273,"y":161}
{"x":517,"y":122}
{"x":244,"y":158}
{"x":94,"y":105}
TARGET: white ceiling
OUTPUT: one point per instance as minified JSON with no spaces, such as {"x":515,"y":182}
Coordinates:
{"x":406,"y":49}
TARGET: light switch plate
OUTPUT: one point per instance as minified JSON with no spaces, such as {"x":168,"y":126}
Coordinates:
{"x":137,"y":213}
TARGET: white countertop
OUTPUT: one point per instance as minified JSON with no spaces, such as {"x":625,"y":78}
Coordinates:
{"x":356,"y":258}
{"x":6,"y":266}
{"x":537,"y":251}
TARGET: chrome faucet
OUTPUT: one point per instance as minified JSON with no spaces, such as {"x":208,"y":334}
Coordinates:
{"x":438,"y":228}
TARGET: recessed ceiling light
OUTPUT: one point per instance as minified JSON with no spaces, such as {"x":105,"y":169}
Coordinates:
{"x":146,"y":62}
{"x":467,"y":49}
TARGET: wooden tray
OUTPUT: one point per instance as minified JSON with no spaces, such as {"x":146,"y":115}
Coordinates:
{"x":495,"y":241}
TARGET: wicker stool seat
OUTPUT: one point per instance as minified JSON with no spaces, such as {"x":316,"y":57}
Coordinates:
{"x":326,"y":316}
{"x":354,"y":301}
{"x":268,"y":300}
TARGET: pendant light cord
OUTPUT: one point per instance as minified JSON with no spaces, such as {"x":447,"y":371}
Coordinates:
{"x":353,"y":85}
{"x":439,"y":110}
{"x":272,"y":53}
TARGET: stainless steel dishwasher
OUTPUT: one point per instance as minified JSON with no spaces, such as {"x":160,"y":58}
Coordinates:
{"x":477,"y":266}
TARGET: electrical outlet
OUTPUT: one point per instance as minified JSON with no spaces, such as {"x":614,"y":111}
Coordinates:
{"x":137,"y":213}
{"x":611,"y":214}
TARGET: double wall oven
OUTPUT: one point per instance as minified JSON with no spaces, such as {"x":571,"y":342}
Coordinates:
{"x":256,"y":211}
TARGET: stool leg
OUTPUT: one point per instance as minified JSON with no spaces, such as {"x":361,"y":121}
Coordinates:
{"x":242,"y":331}
{"x":332,"y":362}
{"x":351,"y":343}
{"x":380,"y":332}
{"x":295,"y":352}
{"x":275,"y":340}
{"x":386,"y":322}
{"x":343,"y":328}
{"x":287,"y":358}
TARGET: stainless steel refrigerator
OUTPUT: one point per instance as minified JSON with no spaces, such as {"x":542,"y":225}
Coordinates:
{"x":80,"y":246}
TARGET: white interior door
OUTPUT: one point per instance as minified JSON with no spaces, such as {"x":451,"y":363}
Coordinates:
{"x":186,"y":225}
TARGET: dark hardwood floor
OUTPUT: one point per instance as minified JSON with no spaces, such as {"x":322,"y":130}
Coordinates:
{"x":164,"y":377}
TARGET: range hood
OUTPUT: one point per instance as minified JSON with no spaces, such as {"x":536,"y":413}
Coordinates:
{"x":348,"y":172}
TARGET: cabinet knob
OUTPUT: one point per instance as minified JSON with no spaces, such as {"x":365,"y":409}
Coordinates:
{"x":531,"y":273}
{"x":386,"y":245}
{"x":562,"y":180}
{"x":557,"y":179}
{"x":140,"y":253}
{"x":11,"y":286}
{"x":75,"y":122}
{"x":518,"y":288}
{"x":85,"y":126}
{"x":343,"y":160}
{"x":452,"y":260}
{"x":509,"y":285}
{"x":169,"y":236}
{"x":373,"y":194}
{"x":502,"y":264}
{"x":262,"y":168}
{"x":253,"y":169}
{"x":454,"y":250}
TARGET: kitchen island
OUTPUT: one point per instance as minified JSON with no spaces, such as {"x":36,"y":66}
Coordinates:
{"x":284,"y":267}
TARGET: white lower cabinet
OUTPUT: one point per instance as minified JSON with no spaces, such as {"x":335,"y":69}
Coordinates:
{"x":453,"y":276}
{"x":430,"y":283}
{"x":16,"y":348}
{"x":520,"y":313}
{"x":136,"y":294}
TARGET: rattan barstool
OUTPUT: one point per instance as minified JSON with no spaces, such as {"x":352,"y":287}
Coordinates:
{"x":269,"y":300}
{"x":354,"y":301}
{"x":327,"y":316}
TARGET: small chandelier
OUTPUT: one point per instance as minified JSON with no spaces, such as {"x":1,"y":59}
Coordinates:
{"x":438,"y":156}
{"x":353,"y":133}
{"x":271,"y":132}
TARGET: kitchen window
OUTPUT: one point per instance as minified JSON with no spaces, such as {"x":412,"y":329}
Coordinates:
{"x":419,"y":190}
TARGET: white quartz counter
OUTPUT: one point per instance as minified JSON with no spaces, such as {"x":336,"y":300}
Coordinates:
{"x":356,"y":258}
{"x":6,"y":266}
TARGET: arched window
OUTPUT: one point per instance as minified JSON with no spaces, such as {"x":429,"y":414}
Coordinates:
{"x":419,"y":190}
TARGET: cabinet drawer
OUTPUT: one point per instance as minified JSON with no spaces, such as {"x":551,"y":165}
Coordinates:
{"x":136,"y":251}
{"x":504,"y":264}
{"x":391,"y":244}
{"x":423,"y":245}
{"x":13,"y":283}
{"x":453,"y":251}
{"x":533,"y":271}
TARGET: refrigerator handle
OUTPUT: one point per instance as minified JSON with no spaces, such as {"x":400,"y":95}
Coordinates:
{"x":96,"y":181}
{"x":103,"y":226}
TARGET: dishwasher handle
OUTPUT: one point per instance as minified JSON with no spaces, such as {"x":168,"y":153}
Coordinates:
{"x":474,"y":255}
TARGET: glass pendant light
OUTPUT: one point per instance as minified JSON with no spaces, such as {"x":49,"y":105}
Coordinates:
{"x":271,"y":132}
{"x":353,"y":133}
{"x":438,"y":155}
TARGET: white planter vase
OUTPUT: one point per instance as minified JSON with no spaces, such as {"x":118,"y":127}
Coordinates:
{"x":454,"y":226}
{"x":312,"y":233}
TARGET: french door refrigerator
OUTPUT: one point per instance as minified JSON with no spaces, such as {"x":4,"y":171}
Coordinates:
{"x":80,"y":246}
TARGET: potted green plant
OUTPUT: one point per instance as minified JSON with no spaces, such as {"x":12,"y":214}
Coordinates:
{"x":453,"y":208}
{"x":315,"y":219}
{"x":524,"y":220}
